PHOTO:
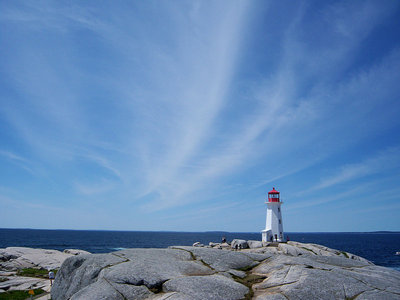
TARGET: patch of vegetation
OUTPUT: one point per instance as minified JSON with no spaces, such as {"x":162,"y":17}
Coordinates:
{"x":245,"y":269}
{"x":32,"y":272}
{"x":308,"y":250}
{"x":191,"y":253}
{"x":19,"y":295}
{"x":156,"y":289}
{"x":248,"y":281}
{"x":206,"y":264}
{"x":345,"y":254}
{"x":3,"y":279}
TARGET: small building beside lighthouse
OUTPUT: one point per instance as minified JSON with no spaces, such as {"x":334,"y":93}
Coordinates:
{"x":273,"y":231}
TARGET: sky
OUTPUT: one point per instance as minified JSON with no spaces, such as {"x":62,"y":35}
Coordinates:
{"x":182,"y":115}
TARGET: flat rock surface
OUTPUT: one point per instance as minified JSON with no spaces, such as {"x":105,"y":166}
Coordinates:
{"x":284,"y":271}
{"x":324,"y":277}
{"x":206,"y":287}
{"x":222,"y":260}
{"x":11,"y":283}
{"x":152,"y":267}
{"x":15,"y":258}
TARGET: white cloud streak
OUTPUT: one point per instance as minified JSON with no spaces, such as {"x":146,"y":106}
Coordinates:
{"x":384,"y":161}
{"x":153,"y":110}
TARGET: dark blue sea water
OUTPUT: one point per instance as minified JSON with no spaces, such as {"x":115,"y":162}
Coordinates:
{"x":378,"y":247}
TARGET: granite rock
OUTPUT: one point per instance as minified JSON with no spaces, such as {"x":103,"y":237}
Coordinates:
{"x":11,"y":283}
{"x":85,"y":268}
{"x":221,"y":260}
{"x":280,"y":271}
{"x":15,"y":258}
{"x":324,"y":277}
{"x":254,"y":244}
{"x":152,"y":267}
{"x":241,"y":244}
{"x":75,"y":251}
{"x":206,"y":287}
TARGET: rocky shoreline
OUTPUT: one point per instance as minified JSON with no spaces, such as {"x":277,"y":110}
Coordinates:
{"x":258,"y":270}
{"x":15,"y":259}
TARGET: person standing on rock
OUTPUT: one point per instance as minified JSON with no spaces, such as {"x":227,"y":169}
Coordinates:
{"x":223,"y":239}
{"x":51,"y":277}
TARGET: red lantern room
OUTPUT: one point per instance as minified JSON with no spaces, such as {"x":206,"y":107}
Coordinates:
{"x":273,"y":196}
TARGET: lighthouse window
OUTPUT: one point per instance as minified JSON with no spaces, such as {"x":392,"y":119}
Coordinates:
{"x":279,"y":209}
{"x":280,"y":222}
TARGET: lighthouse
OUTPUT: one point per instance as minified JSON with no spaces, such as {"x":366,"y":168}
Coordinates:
{"x":273,"y":231}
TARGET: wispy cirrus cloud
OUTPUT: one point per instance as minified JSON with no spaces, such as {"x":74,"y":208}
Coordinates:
{"x":388,"y":159}
{"x":300,"y":124}
{"x":18,"y":160}
{"x":172,"y":104}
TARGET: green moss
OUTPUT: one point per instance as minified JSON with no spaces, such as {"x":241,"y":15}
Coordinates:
{"x":38,"y":273}
{"x":245,"y":269}
{"x":206,"y":264}
{"x":19,"y":295}
{"x":248,"y":281}
{"x":308,"y":250}
{"x":345,"y":254}
{"x":3,"y":279}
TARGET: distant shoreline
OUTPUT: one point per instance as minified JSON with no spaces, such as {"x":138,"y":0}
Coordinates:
{"x":216,"y":231}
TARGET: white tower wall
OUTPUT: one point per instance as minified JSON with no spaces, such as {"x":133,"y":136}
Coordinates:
{"x":274,"y":223}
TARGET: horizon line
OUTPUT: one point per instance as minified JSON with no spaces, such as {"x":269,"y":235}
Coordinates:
{"x":207,"y":231}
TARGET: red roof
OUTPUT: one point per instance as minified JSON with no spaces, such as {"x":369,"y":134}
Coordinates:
{"x":274,"y":191}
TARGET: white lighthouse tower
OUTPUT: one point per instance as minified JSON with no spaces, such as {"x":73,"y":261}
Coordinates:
{"x":273,"y":231}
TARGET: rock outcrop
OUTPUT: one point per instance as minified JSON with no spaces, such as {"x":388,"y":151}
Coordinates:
{"x":176,"y":273}
{"x":10,"y":282}
{"x":241,"y":244}
{"x":13,"y":259}
{"x":255,"y":244}
{"x":280,"y":271}
{"x":16,"y":258}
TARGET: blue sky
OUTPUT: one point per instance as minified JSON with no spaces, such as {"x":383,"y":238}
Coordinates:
{"x":182,"y":115}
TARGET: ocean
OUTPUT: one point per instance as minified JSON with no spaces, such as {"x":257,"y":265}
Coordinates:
{"x":378,"y":247}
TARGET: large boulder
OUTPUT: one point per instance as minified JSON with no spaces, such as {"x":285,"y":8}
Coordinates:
{"x":242,"y":244}
{"x":75,"y":251}
{"x":79,"y":271}
{"x":255,"y":244}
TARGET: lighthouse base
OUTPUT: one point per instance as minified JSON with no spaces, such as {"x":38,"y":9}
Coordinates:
{"x":268,"y":236}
